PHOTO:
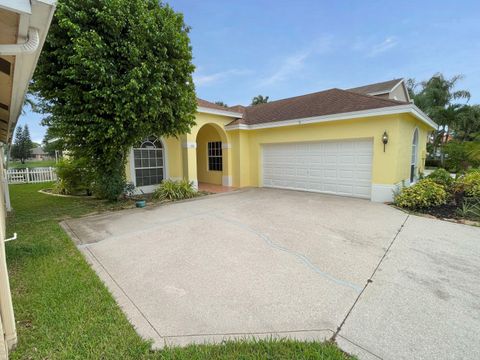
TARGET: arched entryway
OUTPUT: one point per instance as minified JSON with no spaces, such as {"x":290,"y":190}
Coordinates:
{"x":414,"y":161}
{"x":212,"y":167}
{"x":148,"y":164}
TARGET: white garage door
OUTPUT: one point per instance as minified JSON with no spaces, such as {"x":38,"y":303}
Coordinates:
{"x":335,"y":167}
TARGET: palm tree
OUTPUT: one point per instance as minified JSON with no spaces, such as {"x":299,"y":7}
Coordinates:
{"x":467,"y":124}
{"x":260,"y":99}
{"x":474,"y":153}
{"x":439,"y":100}
{"x":221,"y":103}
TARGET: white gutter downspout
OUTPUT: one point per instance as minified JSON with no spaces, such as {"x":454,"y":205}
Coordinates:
{"x":28,"y":47}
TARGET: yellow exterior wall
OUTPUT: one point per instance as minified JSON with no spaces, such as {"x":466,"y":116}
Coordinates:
{"x":205,"y":135}
{"x":241,"y":168}
{"x":389,"y":167}
{"x":242,"y":155}
{"x":173,"y":155}
{"x":384,"y":164}
{"x":406,"y":131}
{"x":181,"y":152}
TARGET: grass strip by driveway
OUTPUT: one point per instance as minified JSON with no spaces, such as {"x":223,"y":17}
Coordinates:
{"x":64,"y":311}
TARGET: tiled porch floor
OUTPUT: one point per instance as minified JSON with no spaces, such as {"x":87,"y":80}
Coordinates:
{"x":213,"y":188}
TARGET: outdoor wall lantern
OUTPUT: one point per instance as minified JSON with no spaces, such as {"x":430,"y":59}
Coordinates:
{"x":384,"y":139}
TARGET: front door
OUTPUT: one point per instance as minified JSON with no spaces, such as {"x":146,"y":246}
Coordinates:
{"x":148,"y":164}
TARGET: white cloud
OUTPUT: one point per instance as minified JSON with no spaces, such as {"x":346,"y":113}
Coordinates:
{"x":387,"y":44}
{"x":292,"y":64}
{"x":289,"y":65}
{"x":209,"y":79}
{"x":371,"y":47}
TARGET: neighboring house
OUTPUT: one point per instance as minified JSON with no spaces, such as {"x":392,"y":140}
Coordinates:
{"x":23,"y":27}
{"x":330,"y":142}
{"x":39,"y":154}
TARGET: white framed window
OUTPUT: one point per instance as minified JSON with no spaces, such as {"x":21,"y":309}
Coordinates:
{"x":414,"y":161}
{"x":148,"y":162}
{"x":214,"y":152}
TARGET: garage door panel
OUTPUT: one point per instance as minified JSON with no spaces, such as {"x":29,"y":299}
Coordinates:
{"x":346,"y":174}
{"x":347,"y":159}
{"x":364,"y":160}
{"x":364,"y":190}
{"x":363,"y":175}
{"x":342,"y":167}
{"x":364,"y":146}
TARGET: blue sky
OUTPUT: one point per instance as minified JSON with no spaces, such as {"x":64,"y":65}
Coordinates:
{"x":286,"y":48}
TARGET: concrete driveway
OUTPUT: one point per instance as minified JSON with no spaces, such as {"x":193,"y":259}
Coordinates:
{"x":263,"y":262}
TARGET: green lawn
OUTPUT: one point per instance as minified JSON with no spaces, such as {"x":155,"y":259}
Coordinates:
{"x":64,"y":311}
{"x":30,"y":164}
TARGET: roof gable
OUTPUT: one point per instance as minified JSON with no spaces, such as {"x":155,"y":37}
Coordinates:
{"x":377,"y":88}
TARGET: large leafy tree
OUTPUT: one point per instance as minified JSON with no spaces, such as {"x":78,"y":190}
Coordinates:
{"x":22,"y":145}
{"x":112,"y":72}
{"x":52,"y":142}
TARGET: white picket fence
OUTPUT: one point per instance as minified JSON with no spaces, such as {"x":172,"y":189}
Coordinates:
{"x":33,"y":175}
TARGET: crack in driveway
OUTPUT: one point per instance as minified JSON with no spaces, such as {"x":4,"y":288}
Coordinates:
{"x":304,"y":259}
{"x":369,"y":281}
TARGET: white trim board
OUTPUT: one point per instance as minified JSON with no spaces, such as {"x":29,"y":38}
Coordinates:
{"x":384,"y":192}
{"x":205,"y":110}
{"x":227,"y":180}
{"x":391,"y":110}
{"x":189,"y":145}
{"x":17,"y":6}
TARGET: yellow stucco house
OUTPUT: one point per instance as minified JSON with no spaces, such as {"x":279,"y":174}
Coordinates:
{"x":363,"y":142}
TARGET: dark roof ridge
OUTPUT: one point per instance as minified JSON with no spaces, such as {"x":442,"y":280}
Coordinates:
{"x":293,"y":97}
{"x":398,"y":102}
{"x":364,"y":87}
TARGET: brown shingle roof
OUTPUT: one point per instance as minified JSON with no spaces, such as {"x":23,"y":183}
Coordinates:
{"x":237,"y":108}
{"x":210,"y":105}
{"x":380,"y":87}
{"x":328,"y":102}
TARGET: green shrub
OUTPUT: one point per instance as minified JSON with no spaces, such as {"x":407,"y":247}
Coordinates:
{"x":441,"y":177}
{"x":175,"y":190}
{"x":469,"y":184}
{"x":470,"y":209}
{"x":74,"y":178}
{"x":424,"y":194}
{"x":458,"y":156}
{"x":60,"y":187}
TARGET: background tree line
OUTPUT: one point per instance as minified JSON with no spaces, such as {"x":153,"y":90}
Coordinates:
{"x":456,"y":143}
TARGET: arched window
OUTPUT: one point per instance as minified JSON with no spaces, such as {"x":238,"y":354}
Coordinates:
{"x":148,"y":160}
{"x":413,"y":164}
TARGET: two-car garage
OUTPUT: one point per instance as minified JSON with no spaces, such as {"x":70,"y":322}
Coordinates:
{"x":335,"y":167}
